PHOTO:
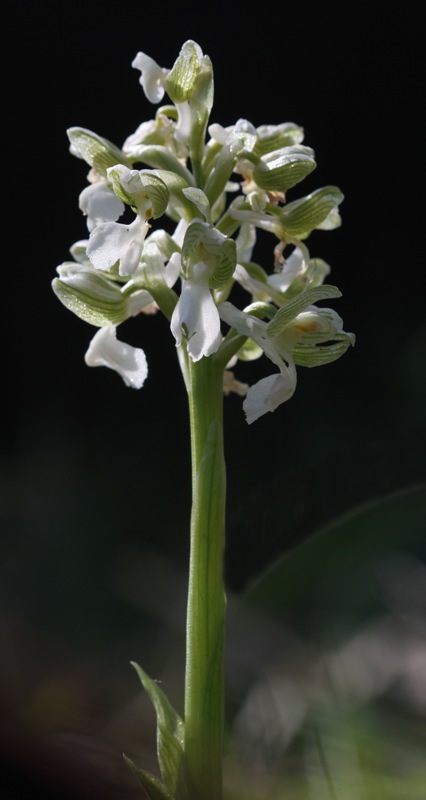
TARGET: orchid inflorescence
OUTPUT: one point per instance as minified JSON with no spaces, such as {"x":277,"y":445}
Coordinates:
{"x":215,"y":187}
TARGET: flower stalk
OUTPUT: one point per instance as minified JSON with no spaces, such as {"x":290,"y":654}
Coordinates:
{"x":205,"y":631}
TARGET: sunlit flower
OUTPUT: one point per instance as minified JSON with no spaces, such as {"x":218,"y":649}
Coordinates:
{"x":153,"y":80}
{"x":293,"y":274}
{"x":127,"y":269}
{"x":195,"y":316}
{"x":268,"y":393}
{"x":289,"y":342}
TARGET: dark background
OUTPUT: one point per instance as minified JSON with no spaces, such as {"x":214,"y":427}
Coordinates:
{"x":95,"y":493}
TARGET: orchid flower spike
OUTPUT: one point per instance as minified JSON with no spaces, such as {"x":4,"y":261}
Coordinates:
{"x":216,"y":188}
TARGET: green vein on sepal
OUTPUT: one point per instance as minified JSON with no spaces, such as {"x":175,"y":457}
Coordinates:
{"x":98,"y":152}
{"x":273,"y":137}
{"x":92,"y":298}
{"x":287,"y":313}
{"x":317,"y":355}
{"x":282,"y":169}
{"x":198,"y":197}
{"x":182,"y":78}
{"x":178,"y":202}
{"x":317,"y":209}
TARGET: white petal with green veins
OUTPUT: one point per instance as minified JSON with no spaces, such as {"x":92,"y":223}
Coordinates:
{"x":287,"y":313}
{"x":302,"y":216}
{"x":273,"y":137}
{"x":181,"y":79}
{"x":282,"y":169}
{"x":313,"y":356}
{"x":90,"y":296}
{"x":98,"y":152}
{"x":198,"y":197}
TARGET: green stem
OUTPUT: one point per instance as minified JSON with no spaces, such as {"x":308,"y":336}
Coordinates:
{"x":204,"y":680}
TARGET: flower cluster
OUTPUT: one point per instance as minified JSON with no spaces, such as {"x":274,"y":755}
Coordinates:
{"x":214,"y":187}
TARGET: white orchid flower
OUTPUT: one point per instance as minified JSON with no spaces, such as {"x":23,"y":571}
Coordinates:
{"x":105,"y":350}
{"x":110,"y":242}
{"x":292,"y":268}
{"x":270,"y":392}
{"x":294,"y":274}
{"x":290,"y":339}
{"x":153,"y":81}
{"x":195,"y":316}
{"x":100,"y":204}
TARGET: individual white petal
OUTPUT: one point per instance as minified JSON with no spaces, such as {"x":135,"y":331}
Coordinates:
{"x":268,"y":393}
{"x":105,"y":350}
{"x":100,"y":204}
{"x":268,"y":222}
{"x":196,"y":318}
{"x":110,"y":242}
{"x":276,"y":349}
{"x":141,"y":301}
{"x":172,"y":270}
{"x":179,"y":232}
{"x":183,"y":126}
{"x":234,"y":317}
{"x":152,"y":77}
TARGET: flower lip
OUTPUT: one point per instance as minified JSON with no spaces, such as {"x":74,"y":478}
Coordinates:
{"x":110,"y":242}
{"x":105,"y":350}
{"x":196,"y":317}
{"x":152,"y":77}
{"x":100,"y":204}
